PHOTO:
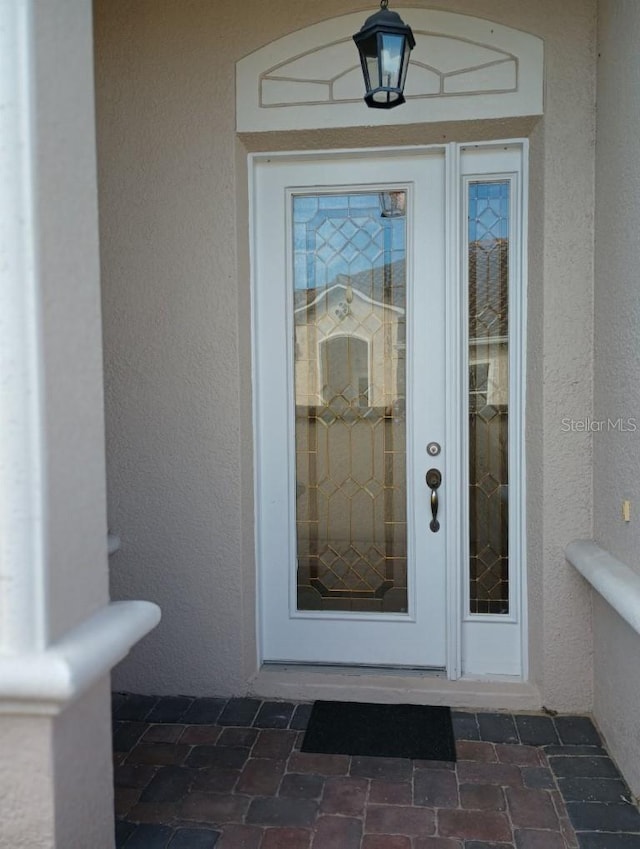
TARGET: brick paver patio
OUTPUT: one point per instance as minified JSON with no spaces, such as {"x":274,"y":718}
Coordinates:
{"x":203,"y":773}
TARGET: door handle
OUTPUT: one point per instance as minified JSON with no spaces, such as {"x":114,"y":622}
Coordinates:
{"x":434,"y":479}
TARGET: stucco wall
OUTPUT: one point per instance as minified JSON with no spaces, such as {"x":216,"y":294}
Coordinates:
{"x":26,"y":741}
{"x":83,"y":772}
{"x":56,"y":778}
{"x":617,"y":689}
{"x":566,"y":323}
{"x":172,"y":178}
{"x":617,"y":366}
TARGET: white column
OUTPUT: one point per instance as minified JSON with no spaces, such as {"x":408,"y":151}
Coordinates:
{"x":22,"y":582}
{"x":59,"y":636}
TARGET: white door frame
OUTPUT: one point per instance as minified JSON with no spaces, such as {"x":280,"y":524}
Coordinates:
{"x":491,"y":644}
{"x":477,"y":645}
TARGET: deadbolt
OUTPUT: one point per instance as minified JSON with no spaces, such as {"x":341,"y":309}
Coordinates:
{"x":433,"y":449}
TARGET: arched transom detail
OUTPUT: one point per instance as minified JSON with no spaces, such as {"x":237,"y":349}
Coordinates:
{"x":461,"y":68}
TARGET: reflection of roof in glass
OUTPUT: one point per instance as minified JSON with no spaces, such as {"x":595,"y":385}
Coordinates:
{"x":488,"y":288}
{"x":382,"y":284}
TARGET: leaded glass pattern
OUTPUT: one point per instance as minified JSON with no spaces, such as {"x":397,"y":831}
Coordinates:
{"x":349,"y":272}
{"x":489,"y":396}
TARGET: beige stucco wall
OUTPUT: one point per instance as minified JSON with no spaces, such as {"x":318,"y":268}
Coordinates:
{"x":177,"y":326}
{"x":83,"y":771}
{"x":56,"y":781}
{"x":617,"y":689}
{"x":26,"y":741}
{"x":617,"y":365}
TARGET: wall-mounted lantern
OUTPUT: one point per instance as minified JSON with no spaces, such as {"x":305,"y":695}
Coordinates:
{"x":384,"y":44}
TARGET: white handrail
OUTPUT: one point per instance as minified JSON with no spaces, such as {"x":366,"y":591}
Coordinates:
{"x":44,"y":682}
{"x":113,"y":543}
{"x":614,"y":580}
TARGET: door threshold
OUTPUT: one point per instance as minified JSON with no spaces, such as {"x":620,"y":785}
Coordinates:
{"x":356,"y":669}
{"x":308,"y":682}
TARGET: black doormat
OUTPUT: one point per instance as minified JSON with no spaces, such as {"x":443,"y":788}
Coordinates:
{"x":386,"y":731}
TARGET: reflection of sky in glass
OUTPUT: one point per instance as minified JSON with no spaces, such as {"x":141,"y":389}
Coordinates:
{"x":489,"y":211}
{"x":342,"y":235}
{"x":391,"y":53}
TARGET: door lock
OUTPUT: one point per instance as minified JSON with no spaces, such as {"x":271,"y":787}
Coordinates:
{"x":433,"y":449}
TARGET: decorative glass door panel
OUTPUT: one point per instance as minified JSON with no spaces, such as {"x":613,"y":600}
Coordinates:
{"x":349,"y":299}
{"x":489,"y":213}
{"x":349,"y":365}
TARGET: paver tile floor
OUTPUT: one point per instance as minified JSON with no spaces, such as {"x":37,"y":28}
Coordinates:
{"x":203,"y":773}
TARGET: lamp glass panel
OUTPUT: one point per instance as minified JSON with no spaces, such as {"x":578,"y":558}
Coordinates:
{"x":384,"y":96}
{"x":373,"y":72}
{"x":391,"y":59}
{"x":405,"y":63}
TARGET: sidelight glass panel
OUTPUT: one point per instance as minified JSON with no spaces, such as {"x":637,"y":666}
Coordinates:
{"x":489,"y":396}
{"x":349,"y":301}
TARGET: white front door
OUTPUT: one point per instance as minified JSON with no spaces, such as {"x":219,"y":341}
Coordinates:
{"x":349,"y":320}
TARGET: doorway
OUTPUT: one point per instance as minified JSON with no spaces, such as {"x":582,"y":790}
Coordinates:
{"x":382,"y":462}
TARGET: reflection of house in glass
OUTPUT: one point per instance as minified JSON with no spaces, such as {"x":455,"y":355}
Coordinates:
{"x":350,"y":389}
{"x":350,"y":342}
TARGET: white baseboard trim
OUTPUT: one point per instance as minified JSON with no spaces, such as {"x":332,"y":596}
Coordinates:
{"x":616,"y":582}
{"x":44,"y":683}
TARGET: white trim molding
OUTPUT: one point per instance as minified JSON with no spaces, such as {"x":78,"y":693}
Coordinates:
{"x":497,"y":643}
{"x":45,"y":682}
{"x":462,"y":68}
{"x":616,"y":582}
